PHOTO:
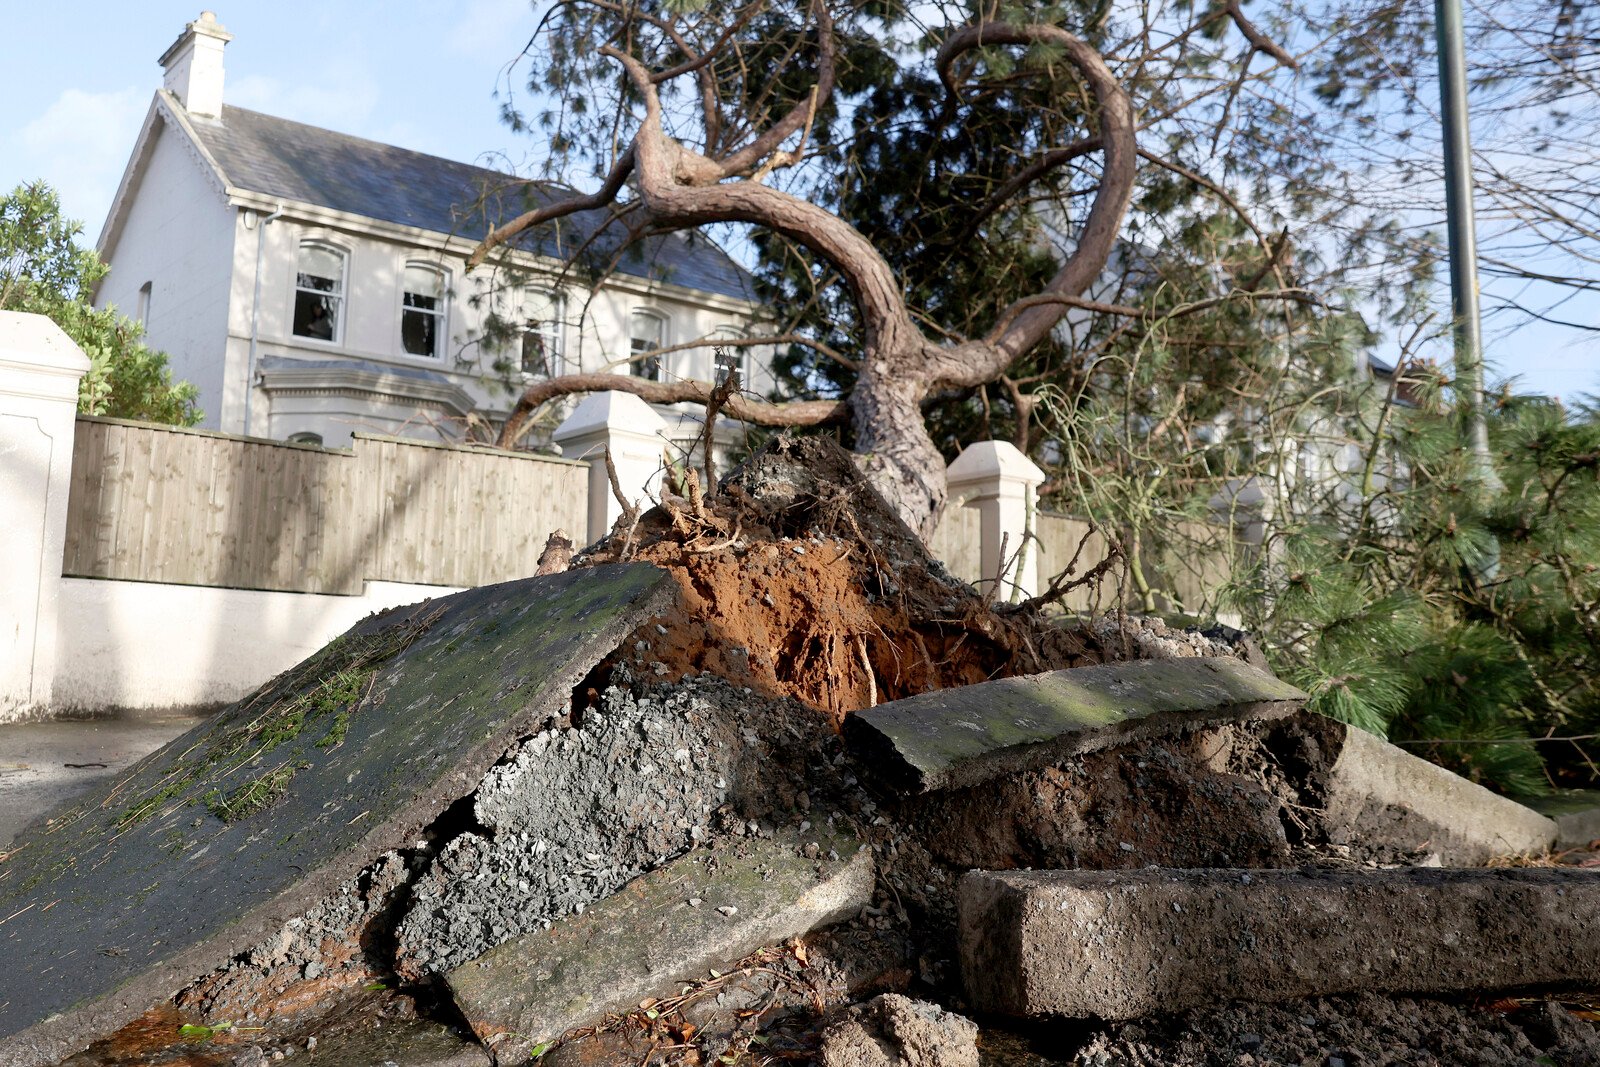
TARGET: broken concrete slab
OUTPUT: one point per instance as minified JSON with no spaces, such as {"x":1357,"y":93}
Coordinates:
{"x":961,"y":737}
{"x":702,"y":911}
{"x":1120,"y":945}
{"x":1377,"y":795}
{"x":401,"y":1043}
{"x":216,"y":841}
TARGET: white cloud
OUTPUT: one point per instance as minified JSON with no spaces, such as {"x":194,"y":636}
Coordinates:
{"x":80,"y":145}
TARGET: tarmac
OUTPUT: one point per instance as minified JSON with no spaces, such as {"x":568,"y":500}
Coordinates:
{"x":45,"y":765}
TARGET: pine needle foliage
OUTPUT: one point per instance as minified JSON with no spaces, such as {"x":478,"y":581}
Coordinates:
{"x":1458,"y":622}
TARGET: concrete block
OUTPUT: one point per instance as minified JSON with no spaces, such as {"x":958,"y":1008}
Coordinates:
{"x":704,"y":910}
{"x":1577,"y":816}
{"x":1578,"y":828}
{"x":214,"y":842}
{"x":1378,"y":795}
{"x":1120,"y":945}
{"x":961,"y":737}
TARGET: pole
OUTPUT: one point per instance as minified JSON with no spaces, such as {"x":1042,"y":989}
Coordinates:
{"x":255,"y":318}
{"x":1466,"y":326}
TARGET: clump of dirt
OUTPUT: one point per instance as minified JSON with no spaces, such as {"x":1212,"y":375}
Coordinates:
{"x":797,"y":580}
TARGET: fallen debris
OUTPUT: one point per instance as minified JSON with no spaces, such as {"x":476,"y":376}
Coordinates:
{"x":1120,"y":945}
{"x":1378,"y":796}
{"x":215,"y":842}
{"x":701,"y":912}
{"x":1365,"y":1030}
{"x":964,"y":737}
{"x":896,"y":1031}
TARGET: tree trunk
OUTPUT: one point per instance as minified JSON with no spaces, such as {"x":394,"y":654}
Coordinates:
{"x":893,"y":447}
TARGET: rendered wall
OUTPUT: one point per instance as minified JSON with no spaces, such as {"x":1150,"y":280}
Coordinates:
{"x":179,"y":237}
{"x":147,"y":646}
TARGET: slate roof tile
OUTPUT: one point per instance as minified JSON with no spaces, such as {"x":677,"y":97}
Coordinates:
{"x":295,"y":161}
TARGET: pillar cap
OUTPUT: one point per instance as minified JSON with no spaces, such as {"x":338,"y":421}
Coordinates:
{"x":34,"y":341}
{"x":988,"y":461}
{"x":613,"y":413}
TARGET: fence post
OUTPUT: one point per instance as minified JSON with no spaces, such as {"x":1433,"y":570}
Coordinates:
{"x":39,"y":372}
{"x":1002,"y":483}
{"x":634,"y":431}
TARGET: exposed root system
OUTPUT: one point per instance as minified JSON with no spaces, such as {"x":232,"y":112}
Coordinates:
{"x":798,"y":580}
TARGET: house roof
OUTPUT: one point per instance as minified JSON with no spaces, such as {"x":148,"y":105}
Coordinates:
{"x":294,"y":161}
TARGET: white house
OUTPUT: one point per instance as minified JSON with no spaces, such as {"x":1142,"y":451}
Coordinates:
{"x":312,"y":284}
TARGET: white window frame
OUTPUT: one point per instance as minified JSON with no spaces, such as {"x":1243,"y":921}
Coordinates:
{"x":441,"y":315}
{"x":636,"y":362}
{"x":339,"y":295}
{"x":555,"y":336}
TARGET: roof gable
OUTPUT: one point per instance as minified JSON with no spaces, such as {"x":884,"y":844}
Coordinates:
{"x":293,"y":161}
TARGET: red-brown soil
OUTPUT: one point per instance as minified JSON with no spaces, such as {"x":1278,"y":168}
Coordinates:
{"x":797,"y":580}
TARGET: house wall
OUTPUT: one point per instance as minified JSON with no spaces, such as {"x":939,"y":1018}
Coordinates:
{"x":596,"y":336}
{"x":179,"y":236}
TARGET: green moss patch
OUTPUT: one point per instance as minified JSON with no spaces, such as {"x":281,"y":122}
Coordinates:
{"x":312,"y":704}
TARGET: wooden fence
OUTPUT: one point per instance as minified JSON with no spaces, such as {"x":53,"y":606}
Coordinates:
{"x":192,"y":507}
{"x":1186,"y":579}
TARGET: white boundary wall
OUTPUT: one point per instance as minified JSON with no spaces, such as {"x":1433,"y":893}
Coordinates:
{"x":148,"y":647}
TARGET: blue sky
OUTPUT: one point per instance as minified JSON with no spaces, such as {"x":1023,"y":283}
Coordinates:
{"x":78,"y":77}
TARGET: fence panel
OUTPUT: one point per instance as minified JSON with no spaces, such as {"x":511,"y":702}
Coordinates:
{"x":1059,"y":539}
{"x":191,"y":507}
{"x":450,"y":516}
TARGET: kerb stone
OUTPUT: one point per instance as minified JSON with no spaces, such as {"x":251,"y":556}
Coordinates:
{"x":1379,"y":795}
{"x":961,"y":737}
{"x":705,"y":910}
{"x":213,"y":842}
{"x":1125,"y":944}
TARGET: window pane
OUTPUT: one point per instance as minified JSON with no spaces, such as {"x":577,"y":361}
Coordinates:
{"x":535,"y":354}
{"x":423,"y":283}
{"x":540,"y":306}
{"x":419,"y":332}
{"x":646,"y":332}
{"x":317,"y":292}
{"x":323,"y":264}
{"x":314,"y":315}
{"x":645,"y":336}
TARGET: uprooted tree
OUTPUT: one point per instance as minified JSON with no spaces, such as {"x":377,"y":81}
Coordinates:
{"x":692,"y":115}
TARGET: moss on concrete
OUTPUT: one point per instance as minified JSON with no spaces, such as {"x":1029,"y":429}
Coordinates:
{"x":963,"y":736}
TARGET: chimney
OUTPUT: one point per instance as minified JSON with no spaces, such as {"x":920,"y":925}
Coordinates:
{"x":193,"y":66}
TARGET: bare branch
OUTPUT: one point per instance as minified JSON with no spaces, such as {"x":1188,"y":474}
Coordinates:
{"x":801,"y":115}
{"x":762,"y":413}
{"x":560,"y":209}
{"x":1258,"y":40}
{"x":1028,"y":326}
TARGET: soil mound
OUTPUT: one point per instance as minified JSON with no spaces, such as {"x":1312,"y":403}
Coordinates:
{"x":797,"y":580}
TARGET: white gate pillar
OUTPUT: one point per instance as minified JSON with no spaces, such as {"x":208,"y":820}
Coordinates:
{"x":1003,"y":484}
{"x":635,"y":433}
{"x":40,"y":368}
